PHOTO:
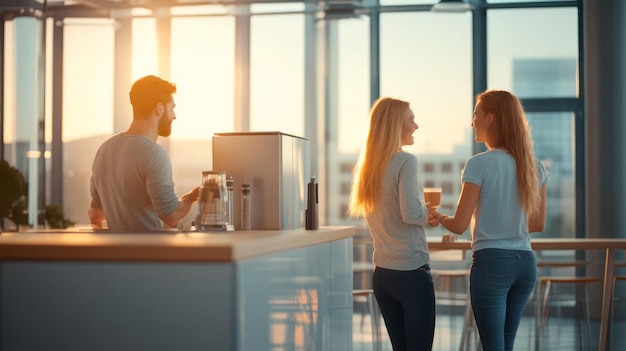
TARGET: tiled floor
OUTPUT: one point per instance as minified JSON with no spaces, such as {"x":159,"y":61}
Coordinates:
{"x":561,"y":335}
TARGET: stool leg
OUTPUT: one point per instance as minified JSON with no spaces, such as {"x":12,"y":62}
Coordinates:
{"x":379,"y":345}
{"x":543,"y":315}
{"x":586,"y":312}
{"x":375,"y":327}
{"x":582,"y":319}
{"x":579,"y":314}
{"x":611,"y":313}
{"x":466,"y":325}
{"x":370,"y":305}
{"x":538,"y":313}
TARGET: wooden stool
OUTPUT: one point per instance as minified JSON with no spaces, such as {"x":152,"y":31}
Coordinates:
{"x":617,"y":278}
{"x":469,"y":329}
{"x":544,"y":298}
{"x":545,"y":268}
{"x":447,"y":294}
{"x":368,"y":296}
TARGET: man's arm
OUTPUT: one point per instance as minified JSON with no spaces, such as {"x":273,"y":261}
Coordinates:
{"x":184,"y":206}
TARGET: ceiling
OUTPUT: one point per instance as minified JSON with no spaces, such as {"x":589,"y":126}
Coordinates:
{"x":106,"y":8}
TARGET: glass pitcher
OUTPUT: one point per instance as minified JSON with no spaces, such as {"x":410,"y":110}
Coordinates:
{"x":213,"y":201}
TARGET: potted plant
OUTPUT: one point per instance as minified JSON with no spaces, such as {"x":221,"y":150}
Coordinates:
{"x":12,"y":194}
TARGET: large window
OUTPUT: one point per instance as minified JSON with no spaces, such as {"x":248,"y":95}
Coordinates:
{"x":203,"y":68}
{"x":277,"y":73}
{"x":348,"y":75}
{"x":87,"y":106}
{"x":426,"y":58}
{"x":538,"y":60}
{"x":87,"y":78}
{"x":353,"y":81}
{"x":553,"y":134}
{"x":541,"y":62}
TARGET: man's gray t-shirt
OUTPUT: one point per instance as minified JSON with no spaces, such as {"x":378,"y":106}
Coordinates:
{"x":132,"y":182}
{"x":396,"y":224}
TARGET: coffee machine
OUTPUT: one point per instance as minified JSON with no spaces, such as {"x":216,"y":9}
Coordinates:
{"x":276,"y":167}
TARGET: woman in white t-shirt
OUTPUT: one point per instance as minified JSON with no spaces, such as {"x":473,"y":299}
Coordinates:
{"x":504,"y":191}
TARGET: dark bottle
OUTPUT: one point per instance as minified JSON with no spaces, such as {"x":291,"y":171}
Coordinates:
{"x":245,"y":206}
{"x":229,"y":189}
{"x":311,"y":215}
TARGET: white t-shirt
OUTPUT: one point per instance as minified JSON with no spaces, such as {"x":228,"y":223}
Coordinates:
{"x":499,"y":220}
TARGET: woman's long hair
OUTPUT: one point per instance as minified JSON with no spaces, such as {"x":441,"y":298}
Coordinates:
{"x":383,"y":140}
{"x":510,"y":131}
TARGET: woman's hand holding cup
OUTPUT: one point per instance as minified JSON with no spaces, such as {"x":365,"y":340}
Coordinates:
{"x":432,"y":215}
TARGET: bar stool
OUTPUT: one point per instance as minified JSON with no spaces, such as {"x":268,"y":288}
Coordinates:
{"x":450,"y":289}
{"x":543,"y":296}
{"x":545,"y":268}
{"x":367,"y":296}
{"x":616,"y":279}
{"x":450,"y":272}
{"x":470,"y":330}
{"x":362,"y":293}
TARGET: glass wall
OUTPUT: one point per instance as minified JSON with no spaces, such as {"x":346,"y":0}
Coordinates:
{"x":87,"y":78}
{"x":277,"y":73}
{"x":538,"y":60}
{"x":87,"y":105}
{"x":541,"y":62}
{"x":348,"y":122}
{"x":426,"y":58}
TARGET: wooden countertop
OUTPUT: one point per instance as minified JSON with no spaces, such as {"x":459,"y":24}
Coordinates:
{"x":166,"y":245}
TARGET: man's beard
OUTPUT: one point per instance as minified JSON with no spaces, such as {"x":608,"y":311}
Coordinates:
{"x":165,"y":126}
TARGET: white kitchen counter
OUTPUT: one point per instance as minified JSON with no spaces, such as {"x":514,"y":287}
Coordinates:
{"x":257,"y":290}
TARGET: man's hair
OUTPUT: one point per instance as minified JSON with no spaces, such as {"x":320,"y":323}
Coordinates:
{"x":147,"y":92}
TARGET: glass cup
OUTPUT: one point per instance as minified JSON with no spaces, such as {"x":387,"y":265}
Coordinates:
{"x":432,"y":195}
{"x":213,"y":200}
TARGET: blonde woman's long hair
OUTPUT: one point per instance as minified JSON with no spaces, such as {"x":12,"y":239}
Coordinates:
{"x":510,"y":131}
{"x":383,"y":140}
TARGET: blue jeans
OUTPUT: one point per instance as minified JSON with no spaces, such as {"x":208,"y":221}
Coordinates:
{"x":407,"y":304}
{"x":500,"y":283}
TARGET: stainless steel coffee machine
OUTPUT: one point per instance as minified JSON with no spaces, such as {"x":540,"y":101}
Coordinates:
{"x":276,"y":166}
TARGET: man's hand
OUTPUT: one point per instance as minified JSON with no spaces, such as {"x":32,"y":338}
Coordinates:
{"x":96,"y":217}
{"x":184,"y":205}
{"x":191,"y":196}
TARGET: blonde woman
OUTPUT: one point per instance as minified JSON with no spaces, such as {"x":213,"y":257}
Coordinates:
{"x":504,"y":190}
{"x":385,"y":191}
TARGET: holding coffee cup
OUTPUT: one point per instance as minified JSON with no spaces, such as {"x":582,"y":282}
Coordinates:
{"x":432,"y":195}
